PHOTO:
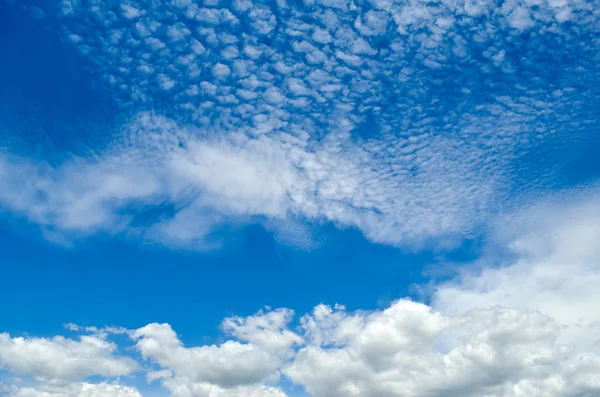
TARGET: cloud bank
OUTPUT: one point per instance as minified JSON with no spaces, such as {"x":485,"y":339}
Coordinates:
{"x":523,"y":327}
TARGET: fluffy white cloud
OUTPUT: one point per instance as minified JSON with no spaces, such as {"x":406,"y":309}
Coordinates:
{"x":473,"y":341}
{"x":61,"y":359}
{"x":74,"y":390}
{"x":182,"y":387}
{"x":60,"y":365}
{"x":326,"y":112}
{"x":553,"y":267}
{"x":523,"y":323}
{"x":410,"y":349}
{"x":407,"y":349}
{"x":237,"y":367}
{"x":494,"y":331}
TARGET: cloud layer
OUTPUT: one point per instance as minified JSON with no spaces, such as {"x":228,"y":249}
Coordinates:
{"x":408,"y":349}
{"x":523,"y":324}
{"x":410,"y":122}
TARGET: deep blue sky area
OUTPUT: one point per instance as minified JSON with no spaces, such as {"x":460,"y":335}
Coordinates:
{"x":48,"y":100}
{"x":106,"y":282}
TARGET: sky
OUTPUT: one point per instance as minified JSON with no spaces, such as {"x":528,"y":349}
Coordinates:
{"x":303,"y":198}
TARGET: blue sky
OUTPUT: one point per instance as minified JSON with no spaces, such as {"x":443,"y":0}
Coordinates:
{"x":299,"y":198}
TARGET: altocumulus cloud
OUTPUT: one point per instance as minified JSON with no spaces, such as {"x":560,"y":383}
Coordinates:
{"x":493,"y":332}
{"x":405,"y":120}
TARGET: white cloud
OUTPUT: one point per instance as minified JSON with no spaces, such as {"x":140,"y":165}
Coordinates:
{"x":519,"y":336}
{"x":407,"y":349}
{"x":525,"y":328}
{"x":520,"y":19}
{"x":523,"y":324}
{"x":183,"y":388}
{"x":82,"y":195}
{"x":237,"y":367}
{"x":74,"y":390}
{"x":221,"y":71}
{"x":411,"y":350}
{"x":283,"y":176}
{"x":553,"y":267}
{"x":230,"y":364}
{"x":61,"y":359}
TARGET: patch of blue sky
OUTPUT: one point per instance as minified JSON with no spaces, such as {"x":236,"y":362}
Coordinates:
{"x":136,"y":285}
{"x":49,"y":105}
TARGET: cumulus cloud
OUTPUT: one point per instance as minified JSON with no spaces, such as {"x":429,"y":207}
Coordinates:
{"x":237,"y":367}
{"x":520,"y":329}
{"x":553,"y":267}
{"x":61,"y":367}
{"x":407,"y":349}
{"x":525,"y":325}
{"x":74,"y":390}
{"x":61,"y":359}
{"x":521,"y":321}
{"x":411,"y":350}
